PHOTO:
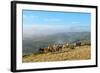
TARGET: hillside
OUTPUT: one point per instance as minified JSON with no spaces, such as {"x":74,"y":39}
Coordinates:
{"x":79,"y":53}
{"x":32,"y":44}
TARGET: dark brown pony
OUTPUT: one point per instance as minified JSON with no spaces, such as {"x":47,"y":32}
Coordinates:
{"x":78,"y":43}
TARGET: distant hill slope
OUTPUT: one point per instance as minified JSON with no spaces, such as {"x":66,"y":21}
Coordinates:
{"x":32,"y":44}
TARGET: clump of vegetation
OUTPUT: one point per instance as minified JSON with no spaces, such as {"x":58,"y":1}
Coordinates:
{"x":39,"y":53}
{"x":25,"y":55}
{"x":71,"y":46}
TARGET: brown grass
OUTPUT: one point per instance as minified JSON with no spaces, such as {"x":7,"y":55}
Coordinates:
{"x":79,"y":53}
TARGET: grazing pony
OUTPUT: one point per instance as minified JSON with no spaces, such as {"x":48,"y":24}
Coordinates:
{"x":78,"y":43}
{"x":44,"y":50}
{"x":65,"y":45}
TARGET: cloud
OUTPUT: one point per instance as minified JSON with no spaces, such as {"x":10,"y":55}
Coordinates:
{"x":75,"y":22}
{"x":43,"y":27}
{"x":30,"y":16}
{"x":29,"y":30}
{"x":39,"y":29}
{"x":52,"y":20}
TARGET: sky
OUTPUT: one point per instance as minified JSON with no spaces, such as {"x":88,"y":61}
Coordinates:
{"x":42,"y":22}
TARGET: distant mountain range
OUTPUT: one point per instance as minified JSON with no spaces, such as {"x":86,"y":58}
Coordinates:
{"x":33,"y":43}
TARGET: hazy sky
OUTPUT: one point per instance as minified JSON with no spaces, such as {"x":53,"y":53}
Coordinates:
{"x":36,"y":22}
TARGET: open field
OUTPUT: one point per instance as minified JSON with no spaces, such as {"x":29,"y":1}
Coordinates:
{"x":79,"y":53}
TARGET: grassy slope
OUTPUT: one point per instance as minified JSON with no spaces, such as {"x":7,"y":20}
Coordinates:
{"x":79,"y":53}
